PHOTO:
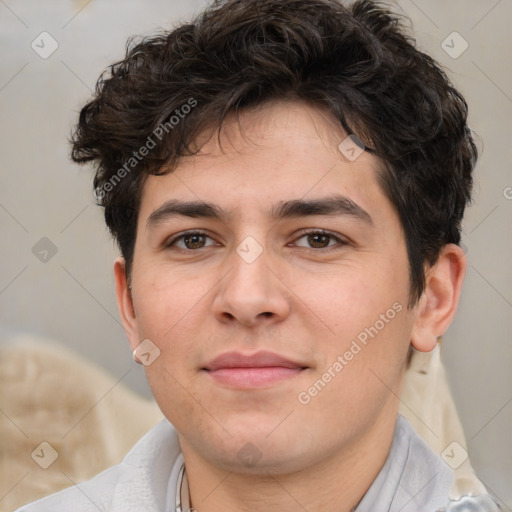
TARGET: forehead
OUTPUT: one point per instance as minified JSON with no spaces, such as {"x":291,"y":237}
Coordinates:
{"x":279,"y":152}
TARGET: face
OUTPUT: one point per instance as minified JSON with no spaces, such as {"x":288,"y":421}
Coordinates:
{"x":272,"y":275}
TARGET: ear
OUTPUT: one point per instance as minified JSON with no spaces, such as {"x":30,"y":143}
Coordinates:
{"x":125,"y":303}
{"x":438,"y":303}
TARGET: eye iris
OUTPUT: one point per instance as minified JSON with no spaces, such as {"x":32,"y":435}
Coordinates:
{"x":318,"y":240}
{"x":194,"y":241}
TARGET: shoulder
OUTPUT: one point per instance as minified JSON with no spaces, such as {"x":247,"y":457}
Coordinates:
{"x":481,"y":503}
{"x":140,"y":479}
{"x":419,"y":458}
{"x":93,"y":495}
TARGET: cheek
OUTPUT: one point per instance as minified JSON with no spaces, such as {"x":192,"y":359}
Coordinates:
{"x":167,"y":303}
{"x":350,"y":299}
{"x":170,"y":318}
{"x":173,"y":394}
{"x":367,"y":334}
{"x":169,"y":314}
{"x":361,"y":373}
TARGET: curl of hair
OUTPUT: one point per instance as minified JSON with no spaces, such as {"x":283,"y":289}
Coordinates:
{"x":357,"y":62}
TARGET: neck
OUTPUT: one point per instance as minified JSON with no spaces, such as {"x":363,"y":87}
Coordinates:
{"x":336,"y":484}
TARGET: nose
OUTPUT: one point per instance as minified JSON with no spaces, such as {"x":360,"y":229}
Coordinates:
{"x":251,"y":293}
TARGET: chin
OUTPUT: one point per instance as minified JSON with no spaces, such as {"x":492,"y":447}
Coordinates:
{"x":256,"y":460}
{"x":265,"y":450}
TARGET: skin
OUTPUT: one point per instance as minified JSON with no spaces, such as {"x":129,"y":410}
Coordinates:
{"x":305,"y":297}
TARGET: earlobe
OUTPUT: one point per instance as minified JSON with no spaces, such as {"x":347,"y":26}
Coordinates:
{"x":125,"y":303}
{"x":438,"y":303}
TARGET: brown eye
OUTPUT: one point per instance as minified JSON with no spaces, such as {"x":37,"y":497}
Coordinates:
{"x":194,"y":241}
{"x":191,"y":241}
{"x":318,"y":240}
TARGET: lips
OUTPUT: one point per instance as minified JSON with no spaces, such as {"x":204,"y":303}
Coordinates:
{"x":258,"y":360}
{"x":233,"y":369}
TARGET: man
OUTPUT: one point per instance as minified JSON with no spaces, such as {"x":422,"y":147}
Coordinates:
{"x":286,"y":180}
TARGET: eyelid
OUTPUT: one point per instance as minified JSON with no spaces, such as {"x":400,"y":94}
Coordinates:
{"x":342,"y":240}
{"x":170,"y":241}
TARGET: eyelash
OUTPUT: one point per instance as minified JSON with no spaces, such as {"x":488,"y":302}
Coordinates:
{"x":340,"y":241}
{"x":170,"y":242}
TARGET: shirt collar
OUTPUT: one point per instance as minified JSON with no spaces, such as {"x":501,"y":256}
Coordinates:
{"x":413,"y":478}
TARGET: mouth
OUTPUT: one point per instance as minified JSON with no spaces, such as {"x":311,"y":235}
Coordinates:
{"x":263,"y":369}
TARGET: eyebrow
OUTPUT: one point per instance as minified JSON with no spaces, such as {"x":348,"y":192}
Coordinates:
{"x":193,"y":209}
{"x":336,"y":205}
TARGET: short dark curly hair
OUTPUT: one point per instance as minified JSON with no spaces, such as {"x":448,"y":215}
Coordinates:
{"x":357,"y":62}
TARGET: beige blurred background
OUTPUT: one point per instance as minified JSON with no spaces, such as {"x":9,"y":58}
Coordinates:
{"x":70,"y":298}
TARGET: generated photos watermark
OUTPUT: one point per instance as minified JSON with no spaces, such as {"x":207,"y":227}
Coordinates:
{"x":137,"y":156}
{"x":357,"y":345}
